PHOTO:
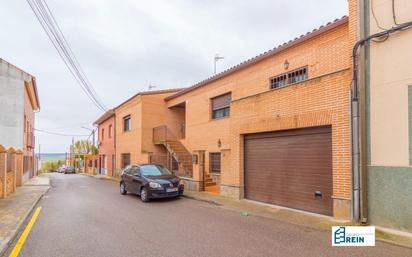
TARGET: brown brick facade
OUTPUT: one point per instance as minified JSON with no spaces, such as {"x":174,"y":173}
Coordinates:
{"x":323,"y":99}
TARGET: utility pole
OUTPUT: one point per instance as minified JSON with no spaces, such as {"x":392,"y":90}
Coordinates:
{"x":93,"y":131}
{"x":72,"y":156}
{"x":217,"y":58}
{"x":39,"y":160}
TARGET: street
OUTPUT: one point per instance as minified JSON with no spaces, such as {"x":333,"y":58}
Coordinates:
{"x":85,"y":216}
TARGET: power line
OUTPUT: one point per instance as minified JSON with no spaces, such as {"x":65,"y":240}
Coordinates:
{"x":59,"y":134}
{"x":46,"y":19}
{"x":62,"y":45}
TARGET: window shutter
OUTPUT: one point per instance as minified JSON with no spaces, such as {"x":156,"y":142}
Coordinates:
{"x":221,"y":101}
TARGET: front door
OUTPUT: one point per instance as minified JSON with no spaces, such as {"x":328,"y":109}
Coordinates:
{"x":103,"y":170}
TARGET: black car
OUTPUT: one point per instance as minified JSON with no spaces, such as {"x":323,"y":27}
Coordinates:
{"x":150,"y":181}
{"x":69,"y":170}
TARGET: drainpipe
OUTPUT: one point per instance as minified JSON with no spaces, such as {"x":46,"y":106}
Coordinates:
{"x":355,"y":158}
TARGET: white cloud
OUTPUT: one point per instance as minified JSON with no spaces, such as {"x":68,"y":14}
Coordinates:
{"x":125,"y":45}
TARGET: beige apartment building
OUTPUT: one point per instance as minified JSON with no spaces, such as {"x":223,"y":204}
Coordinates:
{"x":386,"y":87}
{"x":19,"y":102}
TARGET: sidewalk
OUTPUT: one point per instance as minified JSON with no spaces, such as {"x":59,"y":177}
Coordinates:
{"x":16,"y":208}
{"x":320,"y":222}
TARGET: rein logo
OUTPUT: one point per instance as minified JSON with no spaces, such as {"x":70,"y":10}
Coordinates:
{"x":353,"y":236}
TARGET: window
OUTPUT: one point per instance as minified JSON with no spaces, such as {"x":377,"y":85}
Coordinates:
{"x":221,"y":106}
{"x":125,"y":159}
{"x":289,"y":78}
{"x":110,"y":131}
{"x":215,"y":162}
{"x":127,"y":123}
{"x":154,"y":170}
{"x":102,"y":134}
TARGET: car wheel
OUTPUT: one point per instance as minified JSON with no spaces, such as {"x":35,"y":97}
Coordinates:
{"x":123,"y":190}
{"x":144,"y":195}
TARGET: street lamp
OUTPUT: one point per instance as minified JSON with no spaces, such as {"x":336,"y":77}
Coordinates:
{"x":92,"y":130}
{"x":217,"y":58}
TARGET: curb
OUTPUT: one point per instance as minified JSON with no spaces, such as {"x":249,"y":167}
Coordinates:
{"x":202,"y":200}
{"x":5,"y":246}
{"x":384,"y":240}
{"x":394,"y":243}
{"x":105,"y":178}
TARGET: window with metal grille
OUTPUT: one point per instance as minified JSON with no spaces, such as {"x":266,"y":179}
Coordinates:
{"x":127,"y":123}
{"x":102,"y":134}
{"x":215,"y":162}
{"x":289,"y":78}
{"x":125,"y":159}
{"x":221,"y":106}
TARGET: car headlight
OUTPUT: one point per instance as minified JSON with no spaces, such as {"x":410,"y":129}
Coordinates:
{"x":154,"y":185}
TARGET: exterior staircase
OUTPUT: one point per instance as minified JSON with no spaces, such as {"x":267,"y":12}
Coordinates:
{"x":209,"y":181}
{"x":211,"y":186}
{"x":183,"y":157}
{"x":176,"y":150}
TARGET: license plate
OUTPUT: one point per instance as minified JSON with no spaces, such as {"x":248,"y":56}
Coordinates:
{"x":169,"y":190}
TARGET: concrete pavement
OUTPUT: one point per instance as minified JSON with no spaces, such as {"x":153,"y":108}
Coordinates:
{"x":15,"y":208}
{"x":84,"y":216}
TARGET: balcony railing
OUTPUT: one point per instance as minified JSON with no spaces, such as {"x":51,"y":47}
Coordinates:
{"x":181,"y":168}
{"x":162,"y":134}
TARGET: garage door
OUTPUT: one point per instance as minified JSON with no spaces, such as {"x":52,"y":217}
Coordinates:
{"x":290,"y":168}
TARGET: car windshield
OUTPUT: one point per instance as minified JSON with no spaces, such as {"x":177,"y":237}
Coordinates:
{"x":153,"y":170}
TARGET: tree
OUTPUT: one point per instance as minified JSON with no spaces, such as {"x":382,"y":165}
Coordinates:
{"x":82,"y":147}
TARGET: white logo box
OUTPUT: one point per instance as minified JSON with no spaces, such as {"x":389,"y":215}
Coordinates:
{"x":353,"y":236}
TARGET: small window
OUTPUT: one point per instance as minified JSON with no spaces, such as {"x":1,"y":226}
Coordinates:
{"x":125,"y":159}
{"x":102,"y":134}
{"x":110,"y":131}
{"x":215,"y":162}
{"x":221,"y":106}
{"x":127,"y":123}
{"x":289,"y":78}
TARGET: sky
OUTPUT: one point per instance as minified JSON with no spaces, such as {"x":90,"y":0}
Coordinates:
{"x":125,"y":46}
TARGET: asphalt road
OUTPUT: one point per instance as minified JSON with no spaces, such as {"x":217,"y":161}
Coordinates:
{"x":84,"y":216}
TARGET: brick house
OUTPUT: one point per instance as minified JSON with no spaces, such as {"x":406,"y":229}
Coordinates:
{"x":19,"y":101}
{"x":134,"y":122}
{"x":274,"y":128}
{"x":106,"y":140}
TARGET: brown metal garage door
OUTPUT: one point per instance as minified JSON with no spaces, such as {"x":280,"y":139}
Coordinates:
{"x":290,"y":168}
